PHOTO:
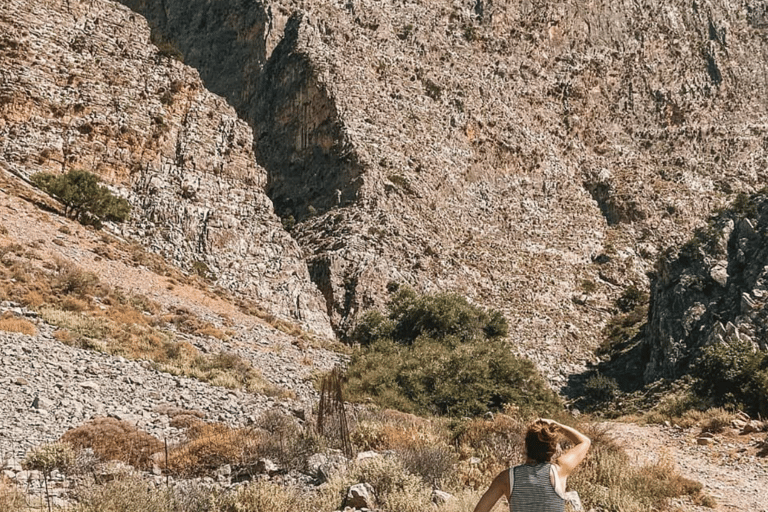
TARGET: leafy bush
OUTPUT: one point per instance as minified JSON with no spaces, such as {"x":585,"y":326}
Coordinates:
{"x":84,"y":199}
{"x":601,"y":388}
{"x":438,"y":354}
{"x":733,"y":373}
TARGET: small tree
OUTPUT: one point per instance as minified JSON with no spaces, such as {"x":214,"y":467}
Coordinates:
{"x":440,"y":354}
{"x":85,"y":200}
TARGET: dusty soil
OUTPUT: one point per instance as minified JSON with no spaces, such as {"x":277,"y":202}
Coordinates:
{"x":730,"y":468}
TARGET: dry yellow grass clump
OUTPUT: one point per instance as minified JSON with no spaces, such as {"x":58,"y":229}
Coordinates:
{"x":211,"y":445}
{"x":12,"y":323}
{"x":112,"y":439}
{"x":11,"y":499}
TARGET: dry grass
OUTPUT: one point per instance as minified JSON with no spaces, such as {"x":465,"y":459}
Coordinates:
{"x":11,"y":499}
{"x":211,"y":445}
{"x":607,"y":479}
{"x":112,"y":439}
{"x":12,"y":323}
{"x":212,"y":331}
{"x":497,"y":442}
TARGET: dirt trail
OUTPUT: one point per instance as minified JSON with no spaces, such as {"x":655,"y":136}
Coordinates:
{"x":729,"y":468}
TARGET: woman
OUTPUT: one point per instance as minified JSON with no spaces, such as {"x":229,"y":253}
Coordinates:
{"x":539,"y":484}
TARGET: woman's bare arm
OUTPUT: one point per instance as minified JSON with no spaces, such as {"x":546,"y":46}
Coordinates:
{"x":576,"y":453}
{"x":499,"y":487}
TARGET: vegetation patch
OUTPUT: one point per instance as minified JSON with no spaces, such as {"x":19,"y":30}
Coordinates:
{"x":440,"y":355}
{"x":733,"y":373}
{"x":84,"y":199}
{"x":112,"y":439}
{"x":12,"y":323}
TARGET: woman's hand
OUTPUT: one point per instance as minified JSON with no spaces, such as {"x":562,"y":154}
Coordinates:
{"x":548,"y":422}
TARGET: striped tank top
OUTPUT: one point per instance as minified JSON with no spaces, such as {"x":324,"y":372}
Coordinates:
{"x":531,"y":489}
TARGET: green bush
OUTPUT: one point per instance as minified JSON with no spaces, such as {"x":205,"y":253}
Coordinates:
{"x":631,"y":298}
{"x":438,"y":354}
{"x":733,"y":373}
{"x":440,"y":315}
{"x":601,"y":388}
{"x":84,"y":198}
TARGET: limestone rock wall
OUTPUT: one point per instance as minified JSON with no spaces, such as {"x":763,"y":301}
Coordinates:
{"x":714,"y":288}
{"x":532,"y":155}
{"x":535,"y":156}
{"x":81,"y":86}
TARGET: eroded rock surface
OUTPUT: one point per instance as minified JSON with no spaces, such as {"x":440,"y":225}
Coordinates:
{"x":83,"y":87}
{"x":713,"y":289}
{"x":533,"y":155}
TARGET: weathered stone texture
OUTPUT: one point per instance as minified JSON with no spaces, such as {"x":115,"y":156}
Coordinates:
{"x":532,"y":155}
{"x":82,"y":87}
{"x":713,"y":289}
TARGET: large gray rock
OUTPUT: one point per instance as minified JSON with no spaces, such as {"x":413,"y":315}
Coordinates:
{"x":360,"y":496}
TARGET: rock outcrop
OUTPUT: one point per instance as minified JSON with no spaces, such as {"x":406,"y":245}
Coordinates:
{"x":714,"y":288}
{"x":524,"y":154}
{"x":83,"y":87}
{"x":532,"y":155}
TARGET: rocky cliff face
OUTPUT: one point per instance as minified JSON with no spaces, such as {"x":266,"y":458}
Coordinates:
{"x":713,"y":289}
{"x":82,"y":87}
{"x":532,"y":155}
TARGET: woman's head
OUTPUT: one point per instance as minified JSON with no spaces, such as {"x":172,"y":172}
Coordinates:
{"x":541,"y":441}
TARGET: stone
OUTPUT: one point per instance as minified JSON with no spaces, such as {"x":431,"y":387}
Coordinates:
{"x":367,"y":455}
{"x":441,"y":497}
{"x":89,"y":384}
{"x":360,"y":496}
{"x":266,"y":466}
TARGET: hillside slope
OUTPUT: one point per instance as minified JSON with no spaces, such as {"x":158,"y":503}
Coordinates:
{"x":83,"y":88}
{"x":534,"y":156}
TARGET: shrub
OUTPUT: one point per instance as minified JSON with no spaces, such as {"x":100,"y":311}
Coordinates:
{"x":266,"y":496}
{"x":434,"y":463}
{"x":211,"y":445}
{"x":396,"y":489}
{"x":438,"y":354}
{"x":601,"y":388}
{"x":287,"y":443}
{"x":47,"y":457}
{"x":72,"y":280}
{"x":112,"y":439}
{"x":733,"y":373}
{"x":498,"y":442}
{"x":127,"y":494}
{"x":429,"y":377}
{"x":84,"y":198}
{"x":631,"y":298}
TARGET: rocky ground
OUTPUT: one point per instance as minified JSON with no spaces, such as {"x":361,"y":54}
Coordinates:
{"x":729,"y":466}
